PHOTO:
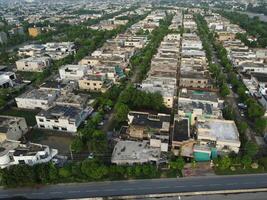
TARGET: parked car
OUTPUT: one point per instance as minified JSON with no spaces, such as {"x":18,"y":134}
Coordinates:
{"x":242,"y":105}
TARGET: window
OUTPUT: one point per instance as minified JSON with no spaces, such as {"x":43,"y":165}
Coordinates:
{"x":42,"y":126}
{"x":55,"y":128}
{"x":63,"y":129}
{"x":94,"y":84}
{"x":21,"y":161}
{"x":41,"y":120}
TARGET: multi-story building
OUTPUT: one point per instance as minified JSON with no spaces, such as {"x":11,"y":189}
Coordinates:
{"x":12,"y":128}
{"x":33,"y":64}
{"x":16,"y":152}
{"x":72,"y":72}
{"x":37,"y":99}
{"x":63,"y":118}
{"x":7,"y":79}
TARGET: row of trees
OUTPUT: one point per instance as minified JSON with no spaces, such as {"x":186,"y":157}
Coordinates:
{"x":87,"y":170}
{"x":244,"y":162}
{"x":208,"y":39}
{"x":254,"y":111}
{"x":254,"y":26}
{"x":143,"y":58}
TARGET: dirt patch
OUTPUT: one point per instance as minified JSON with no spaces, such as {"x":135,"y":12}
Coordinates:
{"x":57,"y":140}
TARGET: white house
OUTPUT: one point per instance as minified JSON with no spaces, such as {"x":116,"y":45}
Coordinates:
{"x":14,"y":152}
{"x":7,"y":79}
{"x":33,"y":64}
{"x":63,"y":118}
{"x":37,"y":99}
{"x":72,"y":72}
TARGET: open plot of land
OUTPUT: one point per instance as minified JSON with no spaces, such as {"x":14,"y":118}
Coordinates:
{"x":57,"y":140}
{"x":29,"y":115}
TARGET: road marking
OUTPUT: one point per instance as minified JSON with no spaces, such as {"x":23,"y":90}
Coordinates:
{"x":55,"y":192}
{"x":197,"y":185}
{"x":231,"y":184}
{"x":144,"y":188}
{"x":91,"y":190}
{"x":163,"y":187}
{"x":73,"y":191}
{"x":37,"y":193}
{"x":21,"y":194}
{"x":216,"y":184}
{"x":109,"y":190}
{"x":179,"y":186}
{"x":127,"y":189}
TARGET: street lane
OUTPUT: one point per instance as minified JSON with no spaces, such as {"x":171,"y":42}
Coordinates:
{"x":139,"y":187}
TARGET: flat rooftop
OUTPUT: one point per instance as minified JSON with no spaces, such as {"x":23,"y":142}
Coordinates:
{"x":39,"y":94}
{"x":133,"y":151}
{"x":159,"y":121}
{"x":181,"y":130}
{"x":6,"y":122}
{"x":219,"y":130}
{"x":199,"y":95}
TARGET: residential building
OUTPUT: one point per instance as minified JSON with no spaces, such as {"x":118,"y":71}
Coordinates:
{"x":37,"y":99}
{"x":15,"y":153}
{"x":128,"y":152}
{"x":94,"y":83}
{"x":33,"y":64}
{"x":63,"y":118}
{"x":12,"y":128}
{"x":220,"y":134}
{"x":72,"y":72}
{"x":143,"y":125}
{"x":7,"y":79}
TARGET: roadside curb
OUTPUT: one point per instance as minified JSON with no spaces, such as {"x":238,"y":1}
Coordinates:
{"x":186,"y":194}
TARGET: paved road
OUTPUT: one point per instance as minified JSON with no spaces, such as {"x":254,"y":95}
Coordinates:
{"x":246,"y":196}
{"x":139,"y":187}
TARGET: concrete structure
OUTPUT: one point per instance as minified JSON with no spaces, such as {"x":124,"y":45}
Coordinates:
{"x":144,"y":125}
{"x":221,"y":134}
{"x":94,"y":83}
{"x":72,"y":72}
{"x":12,"y":128}
{"x":200,"y":96}
{"x":15,"y":153}
{"x":180,"y":135}
{"x":62,"y":118}
{"x":133,"y":152}
{"x":33,"y":64}
{"x":7,"y":79}
{"x":37,"y":99}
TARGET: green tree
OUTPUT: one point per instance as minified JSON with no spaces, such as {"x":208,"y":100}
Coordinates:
{"x":224,"y":163}
{"x":77,"y":145}
{"x":65,"y":172}
{"x":224,"y":90}
{"x":260,"y":125}
{"x":251,"y":149}
{"x":122,"y":111}
{"x":246,"y":161}
{"x":93,"y":170}
{"x":177,"y":164}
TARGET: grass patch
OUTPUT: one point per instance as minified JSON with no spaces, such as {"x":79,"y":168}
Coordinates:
{"x":240,"y":171}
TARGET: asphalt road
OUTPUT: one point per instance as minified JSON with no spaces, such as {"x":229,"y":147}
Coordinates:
{"x":138,"y":187}
{"x":244,"y":196}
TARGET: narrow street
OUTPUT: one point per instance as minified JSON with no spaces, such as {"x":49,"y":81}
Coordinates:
{"x":232,"y":99}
